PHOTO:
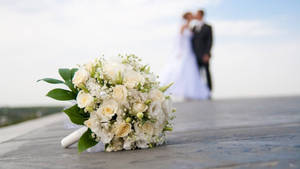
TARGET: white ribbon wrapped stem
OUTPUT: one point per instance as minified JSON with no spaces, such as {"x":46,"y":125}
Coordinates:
{"x":73,"y":137}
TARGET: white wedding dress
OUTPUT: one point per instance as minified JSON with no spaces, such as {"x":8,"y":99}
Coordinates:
{"x":182,"y":69}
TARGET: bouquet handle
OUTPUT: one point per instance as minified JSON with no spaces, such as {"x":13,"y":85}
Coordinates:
{"x":73,"y":137}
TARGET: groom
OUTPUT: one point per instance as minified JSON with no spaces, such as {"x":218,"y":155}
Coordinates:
{"x":201,"y":43}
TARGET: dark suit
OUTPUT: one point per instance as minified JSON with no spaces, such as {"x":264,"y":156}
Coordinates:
{"x":201,"y":43}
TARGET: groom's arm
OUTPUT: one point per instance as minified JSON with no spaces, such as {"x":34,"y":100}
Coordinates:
{"x":209,"y":41}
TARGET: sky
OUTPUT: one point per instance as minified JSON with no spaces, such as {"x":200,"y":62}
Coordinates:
{"x":255,"y":52}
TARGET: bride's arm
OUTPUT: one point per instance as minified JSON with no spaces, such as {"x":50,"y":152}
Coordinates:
{"x":183,"y":27}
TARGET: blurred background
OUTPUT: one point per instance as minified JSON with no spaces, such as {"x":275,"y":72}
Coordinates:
{"x":255,"y":51}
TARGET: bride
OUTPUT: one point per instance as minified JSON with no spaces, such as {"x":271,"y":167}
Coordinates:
{"x":183,"y":69}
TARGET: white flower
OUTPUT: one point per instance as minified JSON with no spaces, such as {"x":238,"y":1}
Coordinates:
{"x":89,"y":123}
{"x":89,"y":67}
{"x":94,"y":88}
{"x":158,"y":128}
{"x":115,"y":145}
{"x":108,"y":109}
{"x":102,"y":132}
{"x":151,"y":77}
{"x":122,"y":129}
{"x":148,"y":128}
{"x":144,"y":131}
{"x":119,"y":93}
{"x":128,"y":143}
{"x":105,"y":135}
{"x":84,"y":99}
{"x":80,"y":77}
{"x":139,"y":108}
{"x":167,"y":106}
{"x":142,"y":144}
{"x":112,"y":69}
{"x":156,"y":112}
{"x":156,"y":95}
{"x":160,"y":139}
{"x":133,"y":78}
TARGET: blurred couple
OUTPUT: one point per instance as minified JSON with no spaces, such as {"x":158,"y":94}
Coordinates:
{"x":192,"y":57}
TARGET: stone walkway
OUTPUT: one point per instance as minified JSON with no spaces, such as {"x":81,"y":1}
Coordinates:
{"x":13,"y":131}
{"x":241,"y":133}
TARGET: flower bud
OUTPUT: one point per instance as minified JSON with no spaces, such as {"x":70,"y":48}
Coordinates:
{"x":148,"y":102}
{"x":140,"y":115}
{"x":128,"y":120}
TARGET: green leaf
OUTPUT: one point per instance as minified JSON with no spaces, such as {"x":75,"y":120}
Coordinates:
{"x":61,"y":94}
{"x":76,"y":114}
{"x":119,"y":79}
{"x":51,"y":80}
{"x":86,"y":141}
{"x":143,"y":68}
{"x":165,"y":88}
{"x":148,"y":102}
{"x":73,"y":71}
{"x":66,"y":74}
{"x":71,"y":86}
{"x":166,"y":128}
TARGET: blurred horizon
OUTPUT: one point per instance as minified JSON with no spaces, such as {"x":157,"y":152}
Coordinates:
{"x":255,"y":51}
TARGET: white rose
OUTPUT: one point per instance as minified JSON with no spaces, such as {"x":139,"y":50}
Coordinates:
{"x":132,"y":78}
{"x":122,"y":129}
{"x":167,"y":106}
{"x":148,"y":128}
{"x":108,"y":109}
{"x":120,"y":93}
{"x":156,"y":95}
{"x":84,"y":99}
{"x":116,"y":145}
{"x":143,"y":131}
{"x":139,"y":108}
{"x":158,"y":129}
{"x":80,"y":77}
{"x":99,"y":129}
{"x":128,"y":143}
{"x":105,"y":135}
{"x":112,"y":69}
{"x":142,"y":144}
{"x":155,"y":111}
{"x":89,"y":67}
{"x":89,"y":123}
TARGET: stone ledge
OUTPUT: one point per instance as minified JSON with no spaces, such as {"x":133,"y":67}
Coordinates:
{"x":239,"y":133}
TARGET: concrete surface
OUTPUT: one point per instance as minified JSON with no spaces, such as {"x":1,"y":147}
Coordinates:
{"x":240,"y":133}
{"x":13,"y":131}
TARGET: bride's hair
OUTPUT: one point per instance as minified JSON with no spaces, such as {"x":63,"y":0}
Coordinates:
{"x":186,"y":15}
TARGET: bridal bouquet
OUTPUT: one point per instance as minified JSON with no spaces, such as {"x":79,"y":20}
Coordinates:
{"x":120,"y":102}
